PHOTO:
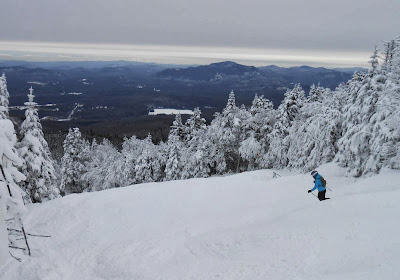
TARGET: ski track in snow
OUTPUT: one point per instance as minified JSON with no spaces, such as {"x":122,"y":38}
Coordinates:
{"x":71,"y":114}
{"x":244,"y":226}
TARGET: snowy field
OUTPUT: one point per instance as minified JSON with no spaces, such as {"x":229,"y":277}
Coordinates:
{"x":170,"y":112}
{"x":245,"y":226}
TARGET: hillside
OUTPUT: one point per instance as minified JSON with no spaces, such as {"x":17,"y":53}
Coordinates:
{"x":244,"y":226}
{"x":212,"y":72}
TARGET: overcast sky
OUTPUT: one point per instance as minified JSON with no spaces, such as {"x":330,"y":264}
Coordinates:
{"x":338,"y":32}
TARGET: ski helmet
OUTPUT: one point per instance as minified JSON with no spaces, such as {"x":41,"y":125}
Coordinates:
{"x":314,"y":173}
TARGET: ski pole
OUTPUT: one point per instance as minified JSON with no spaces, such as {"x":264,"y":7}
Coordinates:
{"x":314,"y":195}
{"x":328,"y":188}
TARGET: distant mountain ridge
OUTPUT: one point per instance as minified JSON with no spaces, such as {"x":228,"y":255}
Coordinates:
{"x":227,"y":67}
{"x":218,"y":72}
{"x":214,"y":71}
{"x":130,"y":89}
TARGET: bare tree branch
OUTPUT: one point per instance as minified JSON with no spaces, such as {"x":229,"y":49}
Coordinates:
{"x":18,"y":259}
{"x":30,"y":234}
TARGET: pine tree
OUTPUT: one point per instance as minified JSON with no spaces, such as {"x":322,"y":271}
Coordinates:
{"x":131,"y":150}
{"x":374,"y":61}
{"x":384,"y":128}
{"x":371,"y":117}
{"x":197,"y":154}
{"x":313,"y":136}
{"x":38,"y":166}
{"x":227,"y":133}
{"x":389,"y":53}
{"x":177,"y":128}
{"x":260,"y":124}
{"x":73,"y":162}
{"x":194,"y":124}
{"x":4,"y":96}
{"x":230,"y":107}
{"x":176,"y":146}
{"x":148,"y":166}
{"x":216,"y":141}
{"x":103,"y":169}
{"x":11,"y":204}
{"x":250,"y":149}
{"x":395,"y":62}
{"x":316,"y":93}
{"x":290,"y":108}
{"x":174,"y":164}
{"x":355,"y":145}
{"x":199,"y":161}
{"x":287,"y":112}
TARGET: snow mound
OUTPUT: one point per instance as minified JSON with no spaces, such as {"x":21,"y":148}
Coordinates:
{"x":245,"y":226}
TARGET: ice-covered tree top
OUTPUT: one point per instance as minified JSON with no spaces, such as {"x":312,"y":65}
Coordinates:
{"x":177,"y":128}
{"x":290,"y":106}
{"x":231,"y":104}
{"x":31,"y":125}
{"x":30,"y":103}
{"x":196,"y":122}
{"x":4,"y":96}
{"x":374,"y":61}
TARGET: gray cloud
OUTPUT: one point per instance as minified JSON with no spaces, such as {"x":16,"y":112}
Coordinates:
{"x":355,"y":25}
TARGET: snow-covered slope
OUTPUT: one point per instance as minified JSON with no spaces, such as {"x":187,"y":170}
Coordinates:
{"x":245,"y":226}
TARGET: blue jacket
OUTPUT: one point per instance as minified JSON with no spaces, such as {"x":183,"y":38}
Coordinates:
{"x":318,"y":184}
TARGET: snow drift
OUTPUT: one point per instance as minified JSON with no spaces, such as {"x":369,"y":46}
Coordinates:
{"x":245,"y":226}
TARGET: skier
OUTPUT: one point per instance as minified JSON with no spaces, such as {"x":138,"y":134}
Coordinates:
{"x":318,"y":185}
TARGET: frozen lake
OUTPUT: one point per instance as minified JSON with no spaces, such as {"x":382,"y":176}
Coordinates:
{"x":170,"y":112}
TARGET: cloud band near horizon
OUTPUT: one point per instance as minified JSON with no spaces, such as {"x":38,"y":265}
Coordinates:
{"x":167,"y":54}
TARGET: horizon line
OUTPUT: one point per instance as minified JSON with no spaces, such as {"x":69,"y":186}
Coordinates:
{"x":31,"y":51}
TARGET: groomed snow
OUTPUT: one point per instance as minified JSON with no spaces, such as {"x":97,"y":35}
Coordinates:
{"x":244,"y":226}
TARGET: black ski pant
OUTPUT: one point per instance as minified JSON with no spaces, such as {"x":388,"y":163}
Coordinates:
{"x":321,"y":195}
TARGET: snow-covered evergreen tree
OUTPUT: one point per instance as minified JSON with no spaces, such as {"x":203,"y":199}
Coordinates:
{"x":73,"y":162}
{"x":216,"y":142}
{"x":4,"y":96}
{"x":250,"y":149}
{"x":176,"y":147}
{"x":355,"y":145}
{"x":226,"y":133}
{"x":38,"y":166}
{"x":384,"y":123}
{"x":131,"y":149}
{"x":313,"y":136}
{"x":197,"y":154}
{"x":395,"y":62}
{"x":259,"y":125}
{"x":194,"y":123}
{"x":390,"y":56}
{"x":290,"y":108}
{"x":315,"y":93}
{"x":230,"y":107}
{"x":148,"y":166}
{"x":374,"y":61}
{"x":11,"y":206}
{"x":174,"y":164}
{"x":177,"y":128}
{"x":104,"y":168}
{"x":287,"y":112}
{"x":198,"y":163}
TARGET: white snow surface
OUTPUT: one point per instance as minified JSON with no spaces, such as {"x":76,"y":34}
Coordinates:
{"x":170,"y":112}
{"x":244,"y":226}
